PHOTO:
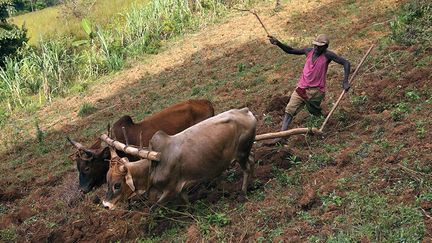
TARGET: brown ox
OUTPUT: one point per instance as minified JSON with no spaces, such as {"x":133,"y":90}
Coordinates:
{"x":92,"y":163}
{"x":197,"y":154}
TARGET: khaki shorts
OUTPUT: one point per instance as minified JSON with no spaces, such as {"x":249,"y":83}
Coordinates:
{"x":313,"y":104}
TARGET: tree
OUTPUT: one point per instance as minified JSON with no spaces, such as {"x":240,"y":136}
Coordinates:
{"x":11,"y":36}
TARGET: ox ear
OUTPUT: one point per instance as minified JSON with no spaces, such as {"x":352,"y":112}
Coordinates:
{"x":129,"y":181}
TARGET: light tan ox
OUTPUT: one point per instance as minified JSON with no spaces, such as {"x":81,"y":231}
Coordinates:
{"x":199,"y":153}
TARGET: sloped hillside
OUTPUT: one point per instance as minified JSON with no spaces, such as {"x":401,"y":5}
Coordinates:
{"x":368,"y":178}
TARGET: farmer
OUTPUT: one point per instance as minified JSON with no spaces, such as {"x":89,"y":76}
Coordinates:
{"x":310,"y":89}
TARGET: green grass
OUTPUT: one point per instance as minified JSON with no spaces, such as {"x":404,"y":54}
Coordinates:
{"x":40,"y":23}
{"x":86,"y":109}
{"x":57,"y":64}
{"x":373,"y":218}
{"x":7,"y":235}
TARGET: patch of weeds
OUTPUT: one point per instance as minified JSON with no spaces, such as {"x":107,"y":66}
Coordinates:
{"x":341,"y":219}
{"x":4,"y":114}
{"x":171,"y":233}
{"x":421,"y":129}
{"x":293,"y":160}
{"x":423,"y":168}
{"x":8,"y":235}
{"x":342,"y":116}
{"x":25,"y":175}
{"x":258,"y":80}
{"x":342,"y":184}
{"x":268,"y":120}
{"x":411,"y":25}
{"x":314,"y":121}
{"x":39,"y":133}
{"x":412,"y":95}
{"x":331,"y":199}
{"x":3,"y":209}
{"x":258,"y":194}
{"x":384,"y":144}
{"x":219,"y":219}
{"x":199,"y":91}
{"x":366,"y":123}
{"x":373,"y":172}
{"x":284,"y":179}
{"x":231,"y":177}
{"x":400,"y":111}
{"x":378,"y":133}
{"x":275,"y":232}
{"x":423,"y":62}
{"x":358,"y":101}
{"x":319,"y":160}
{"x":331,"y":148}
{"x":241,"y":68}
{"x":150,"y":240}
{"x":286,"y":199}
{"x":374,"y":218}
{"x":305,"y":216}
{"x":314,"y":239}
{"x":340,"y":237}
{"x":51,"y":225}
{"x":17,"y":162}
{"x":86,"y":109}
{"x":363,"y":151}
{"x":261,"y":239}
{"x":31,"y":220}
{"x":425,"y":197}
{"x":78,"y":88}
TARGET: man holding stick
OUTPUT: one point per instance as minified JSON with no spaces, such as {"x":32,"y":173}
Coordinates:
{"x":310,"y":89}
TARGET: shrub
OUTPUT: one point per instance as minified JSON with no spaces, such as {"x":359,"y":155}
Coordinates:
{"x":413,"y":25}
{"x":11,"y":37}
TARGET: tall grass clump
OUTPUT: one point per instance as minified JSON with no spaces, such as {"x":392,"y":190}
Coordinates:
{"x":413,"y":24}
{"x":41,"y":73}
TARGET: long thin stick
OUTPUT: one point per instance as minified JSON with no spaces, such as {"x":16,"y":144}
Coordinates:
{"x":256,"y":15}
{"x":343,"y":92}
{"x":262,"y":24}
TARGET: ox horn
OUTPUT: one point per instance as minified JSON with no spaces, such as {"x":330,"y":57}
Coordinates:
{"x":113,"y":152}
{"x":80,"y":147}
{"x":109,"y":129}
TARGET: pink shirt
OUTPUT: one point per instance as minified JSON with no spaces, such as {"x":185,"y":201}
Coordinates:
{"x":314,"y":73}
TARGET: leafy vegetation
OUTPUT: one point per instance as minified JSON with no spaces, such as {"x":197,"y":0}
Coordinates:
{"x":39,"y":74}
{"x":376,"y":220}
{"x":413,"y":25}
{"x":11,"y":37}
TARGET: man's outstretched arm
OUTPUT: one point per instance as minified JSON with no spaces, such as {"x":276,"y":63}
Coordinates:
{"x":288,"y":49}
{"x":347,"y":68}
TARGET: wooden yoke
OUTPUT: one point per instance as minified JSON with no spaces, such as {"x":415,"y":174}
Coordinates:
{"x":139,"y":152}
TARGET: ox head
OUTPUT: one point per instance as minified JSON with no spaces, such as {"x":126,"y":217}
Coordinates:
{"x":92,"y":164}
{"x":120,"y":183}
